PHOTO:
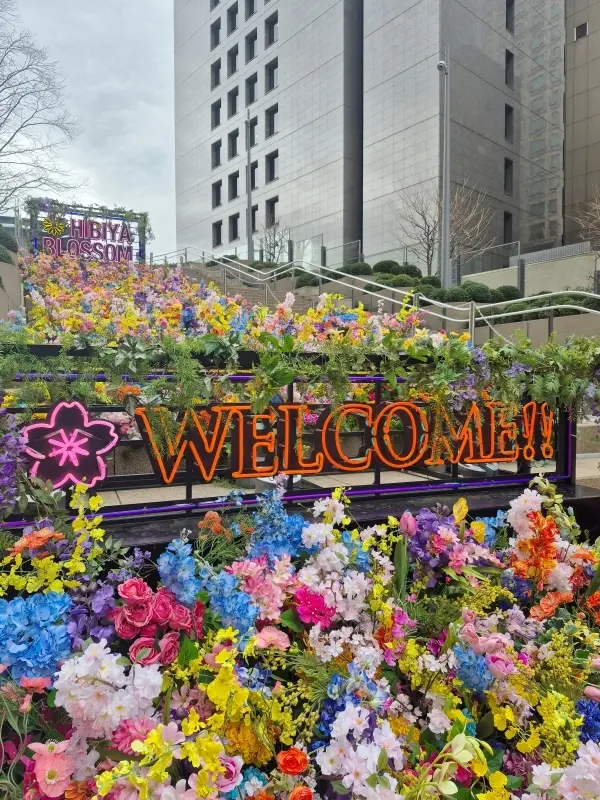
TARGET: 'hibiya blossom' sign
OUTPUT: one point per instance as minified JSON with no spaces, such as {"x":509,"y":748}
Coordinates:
{"x":108,"y":241}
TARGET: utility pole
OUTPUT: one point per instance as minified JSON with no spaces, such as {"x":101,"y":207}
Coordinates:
{"x":446,"y":264}
{"x":249,"y":191}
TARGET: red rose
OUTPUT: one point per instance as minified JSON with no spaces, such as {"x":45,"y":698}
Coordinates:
{"x":162,"y":606}
{"x":139,"y":615}
{"x":124,"y":628}
{"x":135,"y":590}
{"x":148,"y":630}
{"x":181,"y":618}
{"x":169,"y":648}
{"x":143,"y":652}
{"x":199,"y":610}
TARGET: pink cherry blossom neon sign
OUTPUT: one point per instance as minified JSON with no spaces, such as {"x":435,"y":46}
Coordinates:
{"x":69,"y":447}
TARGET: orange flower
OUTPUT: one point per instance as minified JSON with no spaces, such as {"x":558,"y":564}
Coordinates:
{"x":211,"y":522}
{"x":79,"y":790}
{"x":548,"y":604}
{"x":540,"y":549}
{"x":593,"y":600}
{"x":301,"y":793}
{"x":124,"y":390}
{"x":292,"y":761}
{"x":263,"y":796}
{"x":34,"y":540}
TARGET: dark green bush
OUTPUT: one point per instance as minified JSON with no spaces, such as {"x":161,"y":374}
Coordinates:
{"x":456,"y":294}
{"x":385,"y":266}
{"x":496,"y":296}
{"x":566,"y":299}
{"x":5,"y":255}
{"x":403,"y":280}
{"x":357,"y":269}
{"x":306,"y":279}
{"x":8,"y":241}
{"x":380,"y":277}
{"x":432,"y":280}
{"x":509,"y":292}
{"x":432,"y":292}
{"x":518,"y":317}
{"x":592,"y":302}
{"x":478,"y":292}
{"x":407,"y":269}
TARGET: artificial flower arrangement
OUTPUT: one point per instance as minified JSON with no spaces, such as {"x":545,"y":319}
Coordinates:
{"x":282,"y":657}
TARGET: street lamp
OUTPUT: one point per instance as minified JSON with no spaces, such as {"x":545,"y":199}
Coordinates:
{"x":446,"y":265}
{"x":249,"y":191}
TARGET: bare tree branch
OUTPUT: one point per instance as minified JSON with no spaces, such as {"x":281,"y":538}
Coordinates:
{"x":274,"y":240}
{"x":586,"y":216}
{"x":34,"y":125}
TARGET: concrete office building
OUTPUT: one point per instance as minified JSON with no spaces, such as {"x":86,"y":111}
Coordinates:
{"x":346,"y":111}
{"x":582,"y":110}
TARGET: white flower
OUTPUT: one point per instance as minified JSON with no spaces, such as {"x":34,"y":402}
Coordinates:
{"x":437,"y":339}
{"x":438,"y":722}
{"x":319,"y":534}
{"x":542,"y":775}
{"x":559,"y":578}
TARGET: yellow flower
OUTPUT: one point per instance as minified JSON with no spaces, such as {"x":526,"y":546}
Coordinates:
{"x":460,"y":510}
{"x":478,"y":529}
{"x":502,"y":716}
{"x":497,"y":780}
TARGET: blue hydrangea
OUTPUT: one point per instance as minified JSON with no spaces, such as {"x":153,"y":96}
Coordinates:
{"x":233,"y":607}
{"x":472,"y":669}
{"x":492,"y":524}
{"x":520,"y":587}
{"x":177,"y":570}
{"x":359,"y":558}
{"x":590,"y":711}
{"x":33,"y":634}
{"x":276,"y":533}
{"x":251,"y":778}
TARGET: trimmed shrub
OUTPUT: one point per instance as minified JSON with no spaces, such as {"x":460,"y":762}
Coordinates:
{"x":509,"y":292}
{"x":518,"y":317}
{"x":569,"y":300}
{"x":496,"y":296}
{"x":432,"y":280}
{"x":5,"y":255}
{"x":380,"y":277}
{"x":306,"y":279}
{"x":592,"y":302}
{"x":408,"y":269}
{"x":385,"y":266}
{"x":357,"y":269}
{"x":403,"y":280}
{"x":456,"y":294}
{"x":478,"y":292}
{"x":8,"y":241}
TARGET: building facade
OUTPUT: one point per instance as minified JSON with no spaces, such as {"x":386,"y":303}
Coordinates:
{"x":346,"y":116}
{"x":582,"y":109}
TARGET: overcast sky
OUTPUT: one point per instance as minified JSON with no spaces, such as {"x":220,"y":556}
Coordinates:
{"x":117,"y":62}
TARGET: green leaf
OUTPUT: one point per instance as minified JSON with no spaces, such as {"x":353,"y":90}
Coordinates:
{"x":372,"y":780}
{"x":290,"y":619}
{"x":513,"y":782}
{"x":485,"y":726}
{"x":464,"y":794}
{"x":595,"y":583}
{"x":50,"y":698}
{"x":187,"y":652}
{"x":401,"y":568}
{"x":339,"y":788}
{"x":495,"y":762}
{"x":382,"y":761}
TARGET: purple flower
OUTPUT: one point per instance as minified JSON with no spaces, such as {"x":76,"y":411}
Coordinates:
{"x":103,"y":600}
{"x":517,"y":369}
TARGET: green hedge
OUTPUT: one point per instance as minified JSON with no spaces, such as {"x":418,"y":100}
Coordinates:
{"x":509,"y":292}
{"x":5,"y":255}
{"x":407,"y":269}
{"x":8,"y":241}
{"x":385,"y":266}
{"x":306,"y":279}
{"x":403,"y":280}
{"x":361,"y":268}
{"x":478,"y":292}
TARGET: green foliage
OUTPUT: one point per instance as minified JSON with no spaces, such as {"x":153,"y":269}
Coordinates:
{"x":381,"y":277}
{"x":431,"y":280}
{"x":5,"y":255}
{"x":456,"y":294}
{"x":306,"y":279}
{"x":496,"y":296}
{"x":592,"y":303}
{"x":8,"y":241}
{"x":403,"y":280}
{"x":478,"y":292}
{"x":407,"y":269}
{"x":509,"y":292}
{"x":361,"y":268}
{"x":385,"y":266}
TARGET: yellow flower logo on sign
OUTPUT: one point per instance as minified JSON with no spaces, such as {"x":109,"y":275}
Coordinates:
{"x":54,"y":227}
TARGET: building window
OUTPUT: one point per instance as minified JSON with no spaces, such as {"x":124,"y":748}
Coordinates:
{"x":272,"y":167}
{"x":509,"y":123}
{"x":508,"y":176}
{"x":232,"y":19}
{"x":215,"y":151}
{"x":232,"y":143}
{"x":216,"y":194}
{"x":581,"y":31}
{"x":507,"y":232}
{"x":271,"y":116}
{"x":271,"y":29}
{"x":271,"y":75}
{"x":253,"y":132}
{"x":251,"y":40}
{"x":234,"y":227}
{"x":251,"y":84}
{"x":214,"y":4}
{"x":217,"y":231}
{"x":271,"y":207}
{"x":254,"y":219}
{"x":232,"y":61}
{"x":215,"y":74}
{"x":254,"y":175}
{"x":509,"y":69}
{"x":215,"y":34}
{"x":250,"y":8}
{"x":232,"y":102}
{"x":510,"y":16}
{"x":215,"y":114}
{"x":234,"y":185}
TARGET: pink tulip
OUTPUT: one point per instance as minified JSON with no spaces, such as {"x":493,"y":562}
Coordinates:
{"x":592,"y":692}
{"x":499,"y":665}
{"x":408,"y":524}
{"x":596,"y":663}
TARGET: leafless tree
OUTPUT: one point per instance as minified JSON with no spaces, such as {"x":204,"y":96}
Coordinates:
{"x":34,"y":125}
{"x":274,"y":240}
{"x":586,"y":217}
{"x":417,"y":221}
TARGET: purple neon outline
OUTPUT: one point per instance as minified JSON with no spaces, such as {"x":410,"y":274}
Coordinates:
{"x":87,"y":423}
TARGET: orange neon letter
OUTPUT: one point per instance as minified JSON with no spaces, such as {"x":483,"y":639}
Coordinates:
{"x":247,"y":441}
{"x":330,"y":438}
{"x":416,"y":435}
{"x":458,"y":445}
{"x":291,"y":443}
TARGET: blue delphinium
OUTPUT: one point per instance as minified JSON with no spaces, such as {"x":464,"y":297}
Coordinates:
{"x":590,"y":711}
{"x":472,"y":669}
{"x":492,"y":524}
{"x":33,"y":634}
{"x":520,"y":587}
{"x":276,"y":533}
{"x":233,"y":607}
{"x":252,"y":781}
{"x":177,"y":570}
{"x":358,"y":558}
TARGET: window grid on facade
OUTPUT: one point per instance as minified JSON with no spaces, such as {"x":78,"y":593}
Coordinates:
{"x":217,"y":188}
{"x":232,"y":60}
{"x":232,"y":143}
{"x":232,"y":101}
{"x":232,"y":18}
{"x":251,"y":40}
{"x":271,"y":75}
{"x":271,"y":115}
{"x":272,"y":166}
{"x":271,"y":29}
{"x":217,"y":233}
{"x":215,"y":73}
{"x":250,"y":8}
{"x":271,"y":211}
{"x":509,"y":69}
{"x":251,"y":84}
{"x":234,"y":227}
{"x":215,"y":154}
{"x":507,"y":231}
{"x":233,"y":182}
{"x":254,"y":175}
{"x":214,"y":4}
{"x":510,"y":16}
{"x":509,"y":123}
{"x":215,"y":34}
{"x":581,"y":31}
{"x":215,"y":114}
{"x":254,"y":219}
{"x":253,"y":132}
{"x":508,"y":176}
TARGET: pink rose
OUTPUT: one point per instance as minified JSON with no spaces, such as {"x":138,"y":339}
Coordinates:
{"x":470,"y":637}
{"x":199,"y":610}
{"x":408,"y":524}
{"x":162,"y":606}
{"x":151,"y":629}
{"x":139,"y":614}
{"x":592,"y":692}
{"x":181,"y":618}
{"x":233,"y":773}
{"x":124,"y":628}
{"x":272,"y":637}
{"x":169,"y":648}
{"x":499,"y":665}
{"x":143,"y":652}
{"x":494,"y":643}
{"x":135,"y":590}
{"x":468,"y":616}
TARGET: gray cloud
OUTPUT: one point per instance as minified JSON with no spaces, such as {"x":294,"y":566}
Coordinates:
{"x":117,"y":62}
